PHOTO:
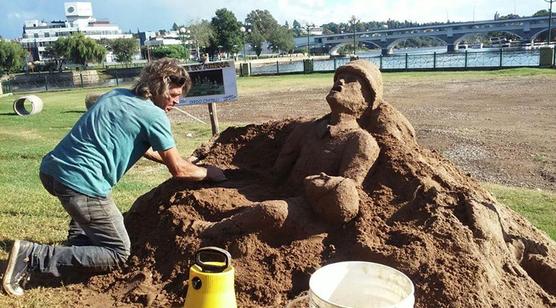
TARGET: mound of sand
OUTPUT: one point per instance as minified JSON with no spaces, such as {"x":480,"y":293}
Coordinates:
{"x":418,"y":213}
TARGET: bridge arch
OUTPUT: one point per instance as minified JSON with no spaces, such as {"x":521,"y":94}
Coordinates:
{"x":334,"y":50}
{"x":393,"y":43}
{"x":536,"y":35}
{"x":485,"y":34}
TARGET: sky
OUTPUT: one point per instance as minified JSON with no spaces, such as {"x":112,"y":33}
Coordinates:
{"x":153,"y":15}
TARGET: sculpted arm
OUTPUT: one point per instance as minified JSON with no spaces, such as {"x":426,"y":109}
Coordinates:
{"x":360,"y":154}
{"x":289,"y":153}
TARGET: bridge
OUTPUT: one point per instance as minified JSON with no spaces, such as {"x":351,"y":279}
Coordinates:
{"x":527,"y":29}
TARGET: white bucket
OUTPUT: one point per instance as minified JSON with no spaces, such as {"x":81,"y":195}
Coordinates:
{"x":358,"y":284}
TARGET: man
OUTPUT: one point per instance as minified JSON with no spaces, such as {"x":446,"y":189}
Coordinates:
{"x":82,"y":169}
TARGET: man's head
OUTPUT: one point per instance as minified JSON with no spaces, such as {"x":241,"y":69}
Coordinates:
{"x":163,"y":81}
{"x":357,"y":86}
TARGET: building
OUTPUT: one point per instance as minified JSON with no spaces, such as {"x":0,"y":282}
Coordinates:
{"x":79,"y":18}
{"x":166,"y":38}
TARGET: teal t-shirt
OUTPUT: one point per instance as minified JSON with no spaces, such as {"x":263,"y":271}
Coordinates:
{"x":106,"y":141}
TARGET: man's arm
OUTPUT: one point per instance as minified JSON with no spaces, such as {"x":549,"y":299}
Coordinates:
{"x":184,"y":170}
{"x":154,"y":156}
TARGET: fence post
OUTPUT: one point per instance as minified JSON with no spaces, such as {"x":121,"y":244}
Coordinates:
{"x":434,"y":60}
{"x":277,"y":68}
{"x":334,"y":64}
{"x":380,"y":61}
{"x":500,"y":57}
{"x":81,"y":78}
{"x":46,"y":82}
{"x":406,"y":59}
{"x":466,"y":59}
{"x":554,"y":56}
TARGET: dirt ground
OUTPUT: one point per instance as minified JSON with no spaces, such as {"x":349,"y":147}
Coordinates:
{"x":417,"y":212}
{"x":498,"y":129}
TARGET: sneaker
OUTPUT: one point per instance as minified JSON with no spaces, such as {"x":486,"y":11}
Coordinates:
{"x":17,"y":271}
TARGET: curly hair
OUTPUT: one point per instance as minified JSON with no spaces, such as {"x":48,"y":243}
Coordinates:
{"x":157,"y":76}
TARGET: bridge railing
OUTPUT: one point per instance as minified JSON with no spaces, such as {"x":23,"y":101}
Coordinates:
{"x":406,"y":62}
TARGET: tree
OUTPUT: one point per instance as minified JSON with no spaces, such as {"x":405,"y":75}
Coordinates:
{"x":256,"y":40}
{"x":170,"y":51}
{"x":78,"y":49}
{"x":124,"y":49}
{"x":296,"y":27}
{"x":541,"y":13}
{"x":265,"y":28}
{"x":12,"y":57}
{"x":201,"y":33}
{"x":227,"y":33}
{"x":509,"y":16}
{"x":282,"y":40}
{"x":56,"y":52}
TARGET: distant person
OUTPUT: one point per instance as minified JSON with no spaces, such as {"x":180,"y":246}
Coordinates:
{"x":205,"y":58}
{"x":82,"y":169}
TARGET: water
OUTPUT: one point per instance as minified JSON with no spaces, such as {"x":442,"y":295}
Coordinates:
{"x":418,"y":58}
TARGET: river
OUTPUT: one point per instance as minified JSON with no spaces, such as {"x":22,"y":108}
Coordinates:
{"x":416,"y":58}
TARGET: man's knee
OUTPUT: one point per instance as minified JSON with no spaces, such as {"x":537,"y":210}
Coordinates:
{"x":122,"y":254}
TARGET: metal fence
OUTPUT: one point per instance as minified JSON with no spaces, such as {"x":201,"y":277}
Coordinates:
{"x":398,"y":62}
{"x":435,"y":61}
{"x":48,"y":82}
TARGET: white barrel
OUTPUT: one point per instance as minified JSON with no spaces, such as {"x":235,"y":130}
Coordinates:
{"x":358,"y":284}
{"x":36,"y":105}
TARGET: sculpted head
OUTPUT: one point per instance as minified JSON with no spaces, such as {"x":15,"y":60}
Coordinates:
{"x":357,"y":86}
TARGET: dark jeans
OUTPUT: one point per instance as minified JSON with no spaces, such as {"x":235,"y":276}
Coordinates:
{"x":97,"y":239}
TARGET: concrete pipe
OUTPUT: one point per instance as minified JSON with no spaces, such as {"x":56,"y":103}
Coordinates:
{"x":36,"y":105}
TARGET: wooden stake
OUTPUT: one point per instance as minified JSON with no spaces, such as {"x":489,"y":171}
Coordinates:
{"x":213,"y":118}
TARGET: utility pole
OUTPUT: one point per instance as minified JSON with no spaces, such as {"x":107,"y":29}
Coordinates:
{"x":246,"y":29}
{"x":308,"y":29}
{"x":550,"y":20}
{"x":354,"y":21}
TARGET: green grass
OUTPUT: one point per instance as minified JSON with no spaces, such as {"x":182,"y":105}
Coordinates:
{"x":27,"y":211}
{"x":539,"y":207}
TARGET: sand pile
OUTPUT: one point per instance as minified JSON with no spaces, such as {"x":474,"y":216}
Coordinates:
{"x":417,"y":213}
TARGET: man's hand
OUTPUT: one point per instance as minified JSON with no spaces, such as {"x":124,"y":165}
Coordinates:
{"x":215,"y":174}
{"x":184,"y":170}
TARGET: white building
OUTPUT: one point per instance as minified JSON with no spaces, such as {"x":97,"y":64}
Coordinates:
{"x":39,"y":34}
{"x":165,"y":38}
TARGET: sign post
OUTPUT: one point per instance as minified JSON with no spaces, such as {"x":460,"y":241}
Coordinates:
{"x":213,"y":82}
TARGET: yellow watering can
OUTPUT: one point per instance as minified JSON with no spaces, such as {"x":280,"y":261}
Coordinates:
{"x":211,"y":280}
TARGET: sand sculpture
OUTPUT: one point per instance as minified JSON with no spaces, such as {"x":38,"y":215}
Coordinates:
{"x":414,"y":211}
{"x":329,"y":157}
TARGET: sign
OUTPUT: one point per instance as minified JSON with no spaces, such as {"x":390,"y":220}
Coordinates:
{"x":213,"y":82}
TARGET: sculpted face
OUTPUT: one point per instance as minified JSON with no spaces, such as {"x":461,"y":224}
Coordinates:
{"x":348,"y":94}
{"x":166,"y":103}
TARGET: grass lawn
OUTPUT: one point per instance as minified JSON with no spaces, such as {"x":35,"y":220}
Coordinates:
{"x":28,"y":212}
